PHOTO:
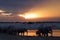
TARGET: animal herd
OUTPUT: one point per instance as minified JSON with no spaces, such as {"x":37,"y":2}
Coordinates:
{"x":41,"y":31}
{"x":12,"y":30}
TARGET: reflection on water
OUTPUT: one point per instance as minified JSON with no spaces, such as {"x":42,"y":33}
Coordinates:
{"x":56,"y":32}
{"x":33,"y":33}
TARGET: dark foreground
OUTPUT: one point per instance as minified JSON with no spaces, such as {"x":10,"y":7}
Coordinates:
{"x":14,"y":37}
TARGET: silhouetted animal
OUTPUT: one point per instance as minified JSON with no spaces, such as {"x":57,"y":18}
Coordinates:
{"x":15,"y":31}
{"x":39,"y":32}
{"x":12,"y":30}
{"x":4,"y":30}
{"x":48,"y":30}
{"x":44,"y":31}
{"x":21,"y":30}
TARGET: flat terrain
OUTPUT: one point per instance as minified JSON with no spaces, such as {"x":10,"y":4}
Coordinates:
{"x":55,"y":32}
{"x":14,"y":37}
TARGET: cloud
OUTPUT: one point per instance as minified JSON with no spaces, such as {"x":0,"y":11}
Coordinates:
{"x":6,"y":14}
{"x":47,"y":8}
{"x":1,"y":11}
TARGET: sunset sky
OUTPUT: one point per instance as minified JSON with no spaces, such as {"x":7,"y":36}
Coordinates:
{"x":29,"y":10}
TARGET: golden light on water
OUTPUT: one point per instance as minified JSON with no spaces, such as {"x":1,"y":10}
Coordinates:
{"x":33,"y":33}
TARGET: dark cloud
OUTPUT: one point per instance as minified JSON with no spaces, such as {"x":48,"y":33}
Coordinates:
{"x":16,"y":5}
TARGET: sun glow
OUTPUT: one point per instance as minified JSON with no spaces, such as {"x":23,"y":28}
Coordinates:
{"x":30,"y":15}
{"x":2,"y":11}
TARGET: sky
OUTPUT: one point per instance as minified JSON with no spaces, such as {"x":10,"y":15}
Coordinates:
{"x":47,"y":10}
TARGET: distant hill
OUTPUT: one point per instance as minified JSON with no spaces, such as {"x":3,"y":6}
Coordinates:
{"x":30,"y":25}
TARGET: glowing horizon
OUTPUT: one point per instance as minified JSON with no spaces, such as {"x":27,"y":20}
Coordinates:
{"x":30,"y":15}
{"x":30,"y":10}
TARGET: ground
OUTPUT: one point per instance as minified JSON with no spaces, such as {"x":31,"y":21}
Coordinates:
{"x":14,"y":37}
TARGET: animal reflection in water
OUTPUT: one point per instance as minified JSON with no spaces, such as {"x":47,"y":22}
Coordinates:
{"x":44,"y":31}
